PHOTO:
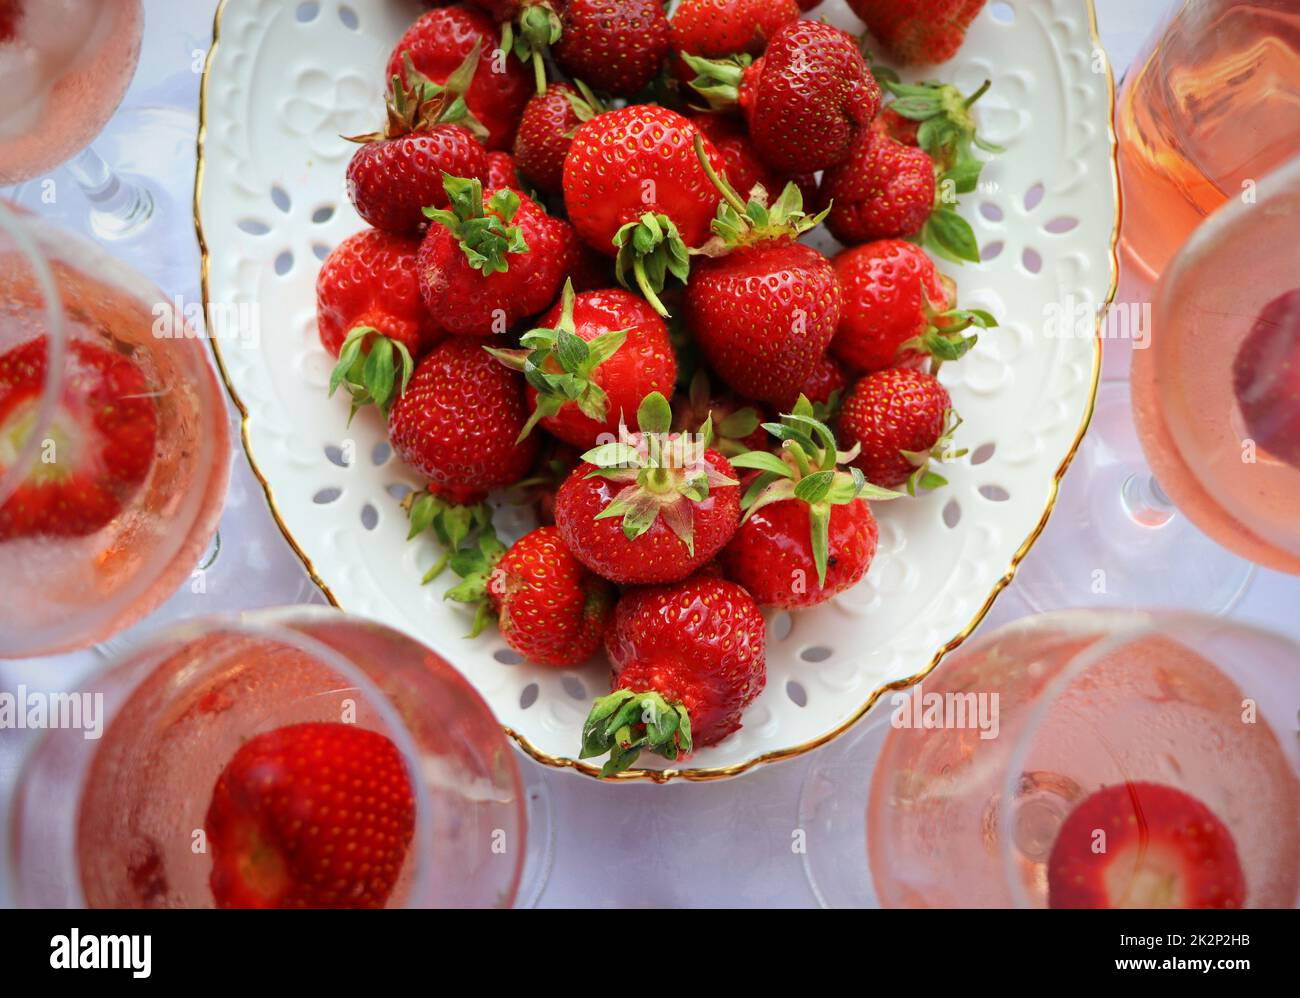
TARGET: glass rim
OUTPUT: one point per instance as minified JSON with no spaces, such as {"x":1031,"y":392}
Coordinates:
{"x":134,"y":664}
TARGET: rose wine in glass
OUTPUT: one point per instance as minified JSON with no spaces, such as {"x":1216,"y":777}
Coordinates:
{"x":1209,"y":107}
{"x":141,"y":816}
{"x":114,"y":447}
{"x":64,"y":67}
{"x":1102,"y":720}
{"x":1216,"y":397}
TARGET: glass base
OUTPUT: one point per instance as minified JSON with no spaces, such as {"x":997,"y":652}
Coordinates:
{"x":833,"y":814}
{"x":1115,"y":541}
{"x":540,"y":850}
{"x":143,"y":215}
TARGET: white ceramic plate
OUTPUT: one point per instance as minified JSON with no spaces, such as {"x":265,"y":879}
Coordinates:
{"x":286,"y":79}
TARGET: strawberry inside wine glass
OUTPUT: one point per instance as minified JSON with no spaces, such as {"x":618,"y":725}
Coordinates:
{"x":289,"y":758}
{"x":1176,"y":513}
{"x":114,"y":449}
{"x":65,"y":66}
{"x":1080,"y":759}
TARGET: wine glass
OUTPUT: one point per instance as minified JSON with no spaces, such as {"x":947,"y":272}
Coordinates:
{"x":65,"y":66}
{"x":1148,"y":516}
{"x":984,"y":785}
{"x":124,"y":819}
{"x":114,"y":447}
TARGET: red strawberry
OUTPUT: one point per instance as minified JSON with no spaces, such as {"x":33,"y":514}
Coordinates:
{"x":96,"y":452}
{"x":743,"y":168}
{"x":310,"y":816}
{"x":633,"y":187}
{"x":900,"y":418}
{"x":762,"y":306}
{"x":807,"y":533}
{"x":439,"y":42}
{"x":884,"y":190}
{"x":805,"y":99}
{"x":550,"y":608}
{"x":397,"y":173}
{"x":651,"y":507}
{"x":368,"y":301}
{"x":489,"y":261}
{"x":824,"y":388}
{"x":458,"y":422}
{"x":714,"y":28}
{"x":616,"y":47}
{"x":501,"y":171}
{"x":1266,"y":378}
{"x":898,"y":308}
{"x":918,"y":31}
{"x":592,"y":360}
{"x":735,"y":423}
{"x":688,"y":659}
{"x":1144,"y":845}
{"x":546,"y":132}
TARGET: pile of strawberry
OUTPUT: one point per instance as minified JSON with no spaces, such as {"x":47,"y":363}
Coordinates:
{"x":592,"y":291}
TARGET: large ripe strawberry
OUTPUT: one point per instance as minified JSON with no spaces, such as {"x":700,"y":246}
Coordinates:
{"x":805,"y":99}
{"x":458,"y":423}
{"x":918,"y":31}
{"x":1266,"y":378}
{"x":898,"y":308}
{"x":490,"y":259}
{"x":761,"y":305}
{"x":884,"y":190}
{"x":715,"y":28}
{"x":546,"y":131}
{"x":94,"y":455}
{"x":439,"y":42}
{"x":1144,"y":845}
{"x":549,"y":606}
{"x":743,"y":167}
{"x":634,"y":188}
{"x":310,"y":816}
{"x":807,"y":533}
{"x":592,"y":360}
{"x":616,"y":47}
{"x":688,"y":659}
{"x":898,"y":419}
{"x":397,"y":173}
{"x":650,"y":507}
{"x":370,"y":315}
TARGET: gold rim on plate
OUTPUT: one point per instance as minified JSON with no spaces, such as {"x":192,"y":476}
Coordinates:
{"x":718,"y":772}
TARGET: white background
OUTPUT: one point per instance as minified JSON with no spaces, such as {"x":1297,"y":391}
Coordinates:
{"x":717,"y":844}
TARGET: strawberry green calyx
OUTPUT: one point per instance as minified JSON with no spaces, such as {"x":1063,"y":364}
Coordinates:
{"x":626,"y":722}
{"x":415,"y":103}
{"x":808,"y":469}
{"x":743,"y":223}
{"x":559,"y":364}
{"x":945,"y":336}
{"x":947,"y":127}
{"x":486,"y":237}
{"x":718,"y":80}
{"x":664,"y":474}
{"x":373,"y":377}
{"x":536,"y":28}
{"x":924,"y":478}
{"x":474,"y":566}
{"x":452,"y":520}
{"x":651,"y":248}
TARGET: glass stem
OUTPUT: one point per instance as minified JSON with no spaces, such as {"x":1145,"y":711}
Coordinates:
{"x":118,"y":207}
{"x":1145,"y":500}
